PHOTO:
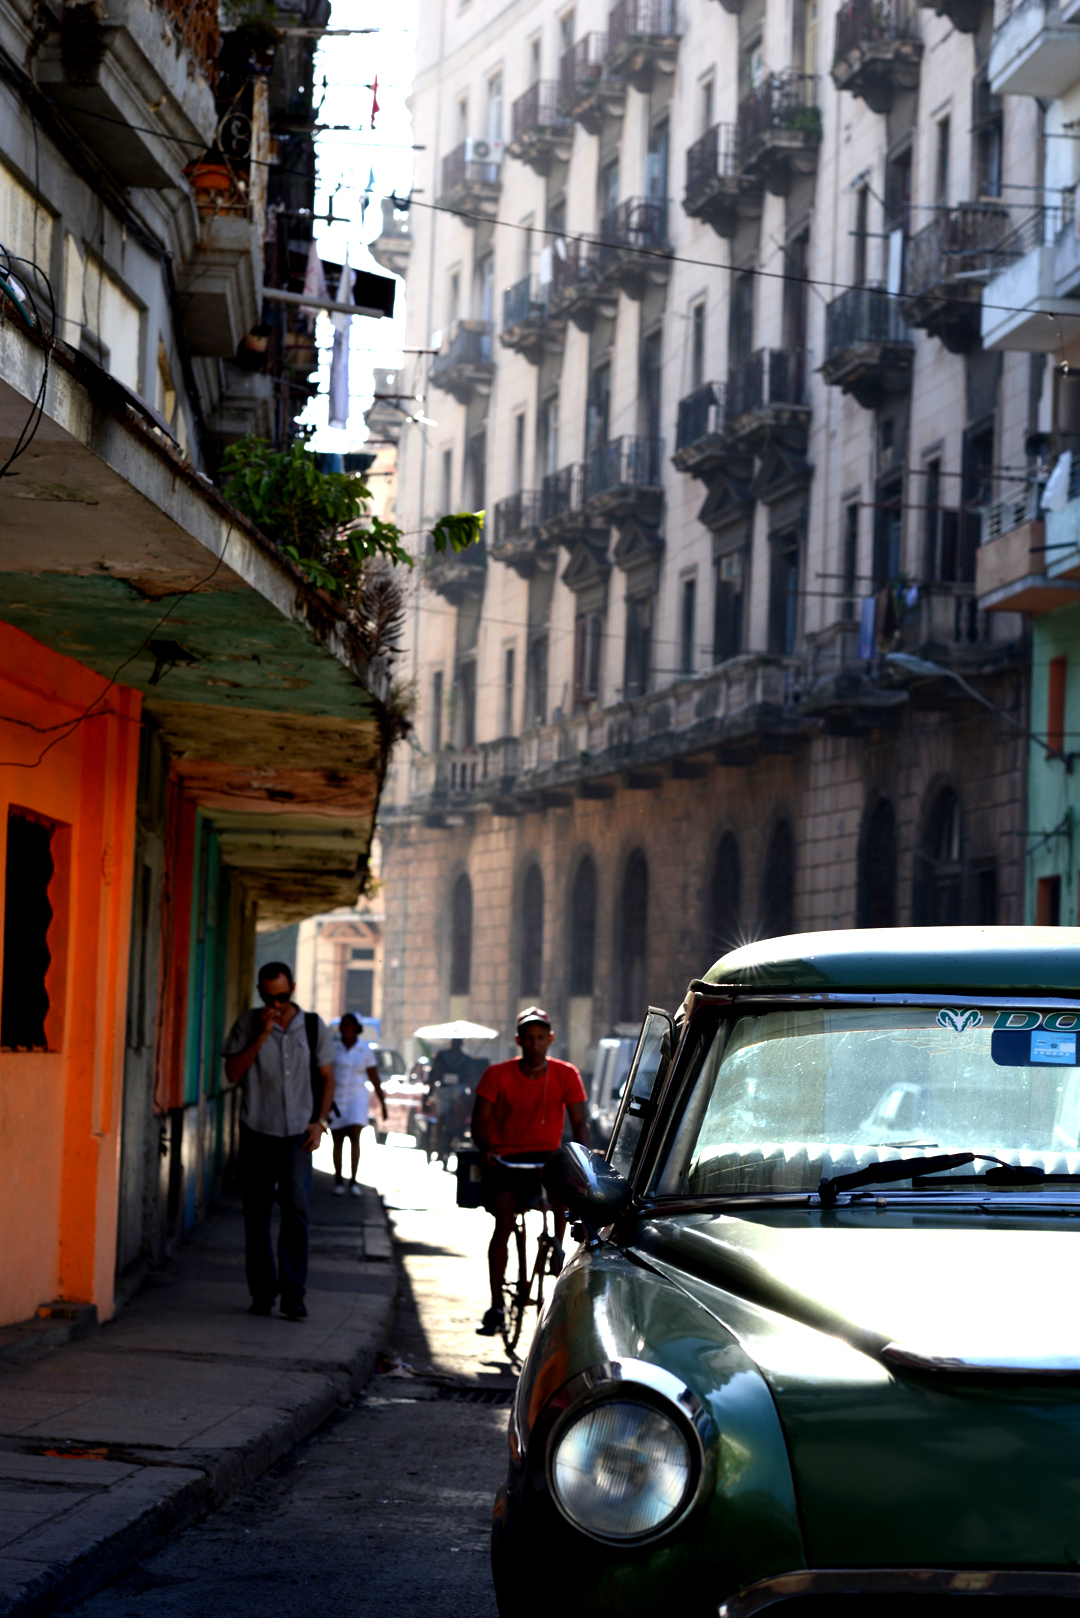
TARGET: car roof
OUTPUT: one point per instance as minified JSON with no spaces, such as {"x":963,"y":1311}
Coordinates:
{"x":975,"y":960}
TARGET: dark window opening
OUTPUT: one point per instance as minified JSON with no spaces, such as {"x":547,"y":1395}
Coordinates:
{"x":697,"y":346}
{"x":638,"y":661}
{"x":796,"y":294}
{"x":1048,"y":902}
{"x":741,"y":319}
{"x":360,"y":991}
{"x":508,"y":692}
{"x":888,"y":530}
{"x":436,"y":710}
{"x":583,"y":928}
{"x":588,"y":640}
{"x":725,"y":899}
{"x":851,"y":559}
{"x":987,"y":127}
{"x":650,"y":386}
{"x":1055,"y":704}
{"x":984,"y":895}
{"x":24,"y":999}
{"x":876,"y":905}
{"x":778,"y":883}
{"x":632,"y":938}
{"x":939,"y":871}
{"x":977,"y":490}
{"x":461,"y":909}
{"x":941,"y":176}
{"x":784,"y":593}
{"x":476,"y":471}
{"x":599,"y":408}
{"x":728,"y":608}
{"x":536,"y":681}
{"x":532,"y":932}
{"x":656,"y":162}
{"x":686,"y":626}
{"x":466,"y":692}
{"x":862,"y":234}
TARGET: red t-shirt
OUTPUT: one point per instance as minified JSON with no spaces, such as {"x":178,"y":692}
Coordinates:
{"x":529,"y":1111}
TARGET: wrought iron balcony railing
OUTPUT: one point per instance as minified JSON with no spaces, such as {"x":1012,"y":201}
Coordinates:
{"x":959,"y":244}
{"x":639,"y":223}
{"x":581,"y":65}
{"x":538,"y":110}
{"x":517,"y":515}
{"x":527,"y":300}
{"x":1037,"y":228}
{"x":771,"y":376}
{"x":713,"y":155}
{"x":574,"y":268}
{"x":1020,"y":505}
{"x":459,"y":170}
{"x":640,"y":19}
{"x":863,"y":315}
{"x":782,"y":101}
{"x":466,"y":359}
{"x":625,"y":463}
{"x":562,"y":492}
{"x":701,"y":415}
{"x":861,"y":22}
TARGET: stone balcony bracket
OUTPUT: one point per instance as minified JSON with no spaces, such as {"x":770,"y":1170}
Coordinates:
{"x":1033,"y":50}
{"x":874,"y":70}
{"x":457,"y":577}
{"x":588,"y":94}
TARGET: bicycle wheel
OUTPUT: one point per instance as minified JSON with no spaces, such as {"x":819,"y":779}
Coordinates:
{"x":515,"y":1292}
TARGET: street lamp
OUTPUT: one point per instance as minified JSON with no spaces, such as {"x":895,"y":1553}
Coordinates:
{"x":922,"y":666}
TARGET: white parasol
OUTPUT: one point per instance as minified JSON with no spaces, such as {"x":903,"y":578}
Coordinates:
{"x":456,"y":1030}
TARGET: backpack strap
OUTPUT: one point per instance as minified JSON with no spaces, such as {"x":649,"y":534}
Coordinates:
{"x":311,"y":1029}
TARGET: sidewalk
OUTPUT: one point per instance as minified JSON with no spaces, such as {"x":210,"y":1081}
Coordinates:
{"x":134,"y":1429}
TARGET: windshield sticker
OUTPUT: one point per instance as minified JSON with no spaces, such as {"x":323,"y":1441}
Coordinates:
{"x":1060,"y":1048}
{"x":960,"y":1021}
{"x":1021,"y":1047}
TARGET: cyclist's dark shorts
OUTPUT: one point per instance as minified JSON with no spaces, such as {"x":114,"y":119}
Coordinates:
{"x":524,"y":1183}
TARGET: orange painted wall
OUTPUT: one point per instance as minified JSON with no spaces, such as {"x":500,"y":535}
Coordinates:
{"x":60,"y":1109}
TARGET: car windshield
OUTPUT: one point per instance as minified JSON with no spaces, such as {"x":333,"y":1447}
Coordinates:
{"x":778,"y":1100}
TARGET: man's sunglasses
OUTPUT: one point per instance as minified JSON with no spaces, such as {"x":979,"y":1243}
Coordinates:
{"x":276,"y":999}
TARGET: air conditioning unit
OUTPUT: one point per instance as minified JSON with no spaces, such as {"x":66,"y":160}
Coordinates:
{"x":483,"y":151}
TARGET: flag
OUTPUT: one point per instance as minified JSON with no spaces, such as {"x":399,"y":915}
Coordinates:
{"x":374,"y":88}
{"x":339,"y":362}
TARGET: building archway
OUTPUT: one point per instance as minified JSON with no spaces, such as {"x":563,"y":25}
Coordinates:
{"x":778,"y":883}
{"x":532,"y":933}
{"x":876,"y":900}
{"x":632,"y":939}
{"x":724,"y":898}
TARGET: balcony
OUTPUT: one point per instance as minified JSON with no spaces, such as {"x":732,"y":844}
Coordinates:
{"x":1032,"y":51}
{"x":780,"y":130}
{"x":587,"y":92}
{"x":840,"y":687}
{"x":470,"y":186}
{"x":1011,"y":562}
{"x":699,"y":431}
{"x":633,"y":249}
{"x":220,"y":279}
{"x":624,"y":479}
{"x":392,"y":245}
{"x":731,"y":715}
{"x":642,"y":41}
{"x":1063,"y":543}
{"x":563,"y":517}
{"x":948,"y":262}
{"x":868,"y":348}
{"x":766,"y":396}
{"x":528,"y":327}
{"x":717,"y":190}
{"x":579,"y":290}
{"x":457,"y":576}
{"x":465,"y":368}
{"x":517,"y":540}
{"x":133,"y":79}
{"x":542,"y":135}
{"x":877,"y":52}
{"x":1022,"y":309}
{"x":965,"y":15}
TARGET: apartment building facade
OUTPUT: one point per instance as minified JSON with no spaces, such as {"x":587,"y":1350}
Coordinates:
{"x":706,"y":283}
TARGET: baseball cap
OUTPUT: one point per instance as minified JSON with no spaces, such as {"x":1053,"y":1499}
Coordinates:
{"x":531,"y":1014}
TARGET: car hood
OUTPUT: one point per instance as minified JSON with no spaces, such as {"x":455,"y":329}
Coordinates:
{"x":930,"y":1352}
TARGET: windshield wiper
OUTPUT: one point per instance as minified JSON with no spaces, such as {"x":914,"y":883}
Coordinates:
{"x":915,"y":1168}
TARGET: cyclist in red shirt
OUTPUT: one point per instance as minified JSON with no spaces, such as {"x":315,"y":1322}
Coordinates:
{"x":519,"y":1114}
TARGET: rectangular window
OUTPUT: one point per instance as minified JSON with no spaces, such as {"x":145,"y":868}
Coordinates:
{"x":466,"y":683}
{"x":536,"y":681}
{"x":706,"y":104}
{"x":534,"y":60}
{"x":932,"y":521}
{"x":656,"y":162}
{"x":549,"y":436}
{"x":463,"y":118}
{"x":588,"y":640}
{"x":697,"y":346}
{"x":728,"y":607}
{"x":447,"y":481}
{"x":638,"y":659}
{"x":519,"y":452}
{"x":508,"y":692}
{"x":28,"y":914}
{"x":476,"y":470}
{"x":741,"y":319}
{"x":609,"y":189}
{"x":851,"y":559}
{"x":436,"y":710}
{"x":649,"y":395}
{"x":359,"y":990}
{"x":686,"y":626}
{"x":941,"y":173}
{"x":796,"y":294}
{"x":1048,"y":902}
{"x":862,"y":234}
{"x":1055,"y":704}
{"x":986,"y":128}
{"x":566,"y":30}
{"x":977,"y":490}
{"x":453,"y":299}
{"x":495,"y":107}
{"x":596,"y":432}
{"x":784,"y":593}
{"x":888,"y":530}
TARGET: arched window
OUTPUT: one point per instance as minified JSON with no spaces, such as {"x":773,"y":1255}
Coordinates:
{"x":876,"y":903}
{"x":461,"y":935}
{"x":632,"y":938}
{"x":583,"y":928}
{"x":939,"y":871}
{"x":532,"y":931}
{"x":778,"y":883}
{"x":723,"y":898}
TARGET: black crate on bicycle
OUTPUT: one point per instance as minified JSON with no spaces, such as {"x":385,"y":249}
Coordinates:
{"x":469,"y":1182}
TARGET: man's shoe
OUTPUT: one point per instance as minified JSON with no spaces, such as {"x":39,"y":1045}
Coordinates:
{"x":339,"y":1189}
{"x":492,"y":1323}
{"x":294,"y":1311}
{"x":357,"y":1190}
{"x":261,"y":1306}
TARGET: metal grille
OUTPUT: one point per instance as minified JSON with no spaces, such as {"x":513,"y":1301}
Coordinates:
{"x":701,"y":414}
{"x":863,"y":315}
{"x":457,"y":172}
{"x":517,"y":515}
{"x":625,"y":463}
{"x":470,"y":344}
{"x":958,"y":243}
{"x":525,"y":301}
{"x":577,"y":267}
{"x":562,"y":491}
{"x":781,"y":101}
{"x":712,"y":155}
{"x":582,"y":64}
{"x":537,"y":109}
{"x":638,"y":19}
{"x":771,"y":376}
{"x":860,"y":21}
{"x":639,"y":222}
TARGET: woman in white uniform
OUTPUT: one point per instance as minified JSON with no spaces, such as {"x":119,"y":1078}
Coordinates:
{"x":354,"y":1065}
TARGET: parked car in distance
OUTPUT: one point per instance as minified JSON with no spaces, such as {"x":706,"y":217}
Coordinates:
{"x":803,"y":1361}
{"x":605,"y":1086}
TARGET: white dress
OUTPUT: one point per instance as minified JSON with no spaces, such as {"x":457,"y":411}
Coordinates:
{"x":351,"y":1092}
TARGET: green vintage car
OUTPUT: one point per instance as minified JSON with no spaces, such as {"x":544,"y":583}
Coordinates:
{"x":820,"y":1347}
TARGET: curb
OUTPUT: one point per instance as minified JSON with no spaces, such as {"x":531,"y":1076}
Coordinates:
{"x":132,"y":1519}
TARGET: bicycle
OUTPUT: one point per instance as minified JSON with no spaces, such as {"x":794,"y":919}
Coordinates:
{"x":518,"y":1295}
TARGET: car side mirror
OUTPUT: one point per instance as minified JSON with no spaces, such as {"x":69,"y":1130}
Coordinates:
{"x":585,"y":1183}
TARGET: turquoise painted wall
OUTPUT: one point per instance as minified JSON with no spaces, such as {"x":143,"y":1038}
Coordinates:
{"x":209,"y":946}
{"x":1053,"y":848}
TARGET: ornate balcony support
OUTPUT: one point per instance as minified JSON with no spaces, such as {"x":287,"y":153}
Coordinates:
{"x":947,"y":263}
{"x":642,"y":41}
{"x":469,"y":186}
{"x":465,"y":367}
{"x":587,"y":92}
{"x":717,"y":190}
{"x":528,"y":326}
{"x":541,"y":134}
{"x":779,"y":130}
{"x":868,"y":348}
{"x":877,"y":51}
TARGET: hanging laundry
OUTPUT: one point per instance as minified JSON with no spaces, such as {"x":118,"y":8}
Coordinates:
{"x":315,"y":275}
{"x":365,"y":197}
{"x":374,"y":88}
{"x":339,"y":361}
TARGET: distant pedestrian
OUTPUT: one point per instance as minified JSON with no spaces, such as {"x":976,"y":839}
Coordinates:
{"x":354,"y":1066}
{"x":284,"y":1060}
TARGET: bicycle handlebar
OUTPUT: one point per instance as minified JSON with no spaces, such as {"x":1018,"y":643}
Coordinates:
{"x":504,"y":1163}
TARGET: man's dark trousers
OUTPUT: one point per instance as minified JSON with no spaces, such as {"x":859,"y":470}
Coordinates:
{"x":275,"y":1166}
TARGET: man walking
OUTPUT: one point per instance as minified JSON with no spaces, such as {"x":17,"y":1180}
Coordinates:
{"x":520,"y":1111}
{"x":270,"y":1053}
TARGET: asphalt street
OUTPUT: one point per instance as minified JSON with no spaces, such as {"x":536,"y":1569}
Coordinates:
{"x":385,"y":1512}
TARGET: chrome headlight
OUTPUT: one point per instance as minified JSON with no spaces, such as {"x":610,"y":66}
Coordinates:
{"x":621,"y":1469}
